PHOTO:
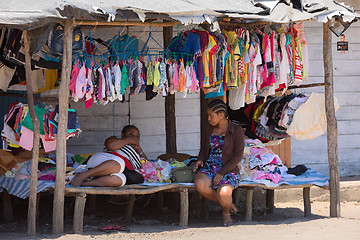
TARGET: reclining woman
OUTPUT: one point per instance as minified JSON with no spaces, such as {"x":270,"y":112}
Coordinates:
{"x":105,"y":169}
{"x":220,"y":153}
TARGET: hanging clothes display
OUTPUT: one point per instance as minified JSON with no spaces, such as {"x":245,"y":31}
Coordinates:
{"x":269,"y":120}
{"x":18,"y":128}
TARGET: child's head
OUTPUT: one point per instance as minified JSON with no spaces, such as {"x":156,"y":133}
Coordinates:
{"x":130,"y":131}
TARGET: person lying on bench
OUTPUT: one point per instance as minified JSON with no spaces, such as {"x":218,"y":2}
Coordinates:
{"x":107,"y":167}
{"x":220,"y":153}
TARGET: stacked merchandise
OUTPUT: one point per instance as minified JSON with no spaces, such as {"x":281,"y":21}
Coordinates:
{"x":18,"y":128}
{"x":260,"y":164}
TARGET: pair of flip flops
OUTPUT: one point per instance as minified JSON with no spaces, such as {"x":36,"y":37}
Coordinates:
{"x":110,"y":228}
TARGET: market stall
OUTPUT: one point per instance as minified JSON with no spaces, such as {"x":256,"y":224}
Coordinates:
{"x":96,"y":13}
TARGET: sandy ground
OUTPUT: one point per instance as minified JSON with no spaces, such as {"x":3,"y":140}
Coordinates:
{"x":287,"y":222}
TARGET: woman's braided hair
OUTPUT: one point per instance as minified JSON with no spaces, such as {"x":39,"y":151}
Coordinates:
{"x":218,"y":105}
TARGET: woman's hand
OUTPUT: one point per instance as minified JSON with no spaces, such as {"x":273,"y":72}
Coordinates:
{"x":197,"y":164}
{"x":217,"y":179}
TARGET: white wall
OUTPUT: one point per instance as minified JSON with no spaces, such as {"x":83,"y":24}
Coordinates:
{"x":100,"y":122}
{"x":313,"y":153}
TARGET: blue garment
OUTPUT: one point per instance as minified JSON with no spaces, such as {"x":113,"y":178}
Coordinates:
{"x":124,"y":44}
{"x":216,"y":94}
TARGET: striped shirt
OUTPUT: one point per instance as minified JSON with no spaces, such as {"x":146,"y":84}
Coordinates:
{"x":130,"y":154}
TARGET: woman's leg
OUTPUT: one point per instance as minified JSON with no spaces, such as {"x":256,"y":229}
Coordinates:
{"x":224,"y":196}
{"x":105,"y":181}
{"x":203,"y":186}
{"x":104,"y":169}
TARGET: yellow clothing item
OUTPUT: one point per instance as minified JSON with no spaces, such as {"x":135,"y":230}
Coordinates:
{"x":51,"y":76}
{"x":258,"y":112}
{"x":149,"y":74}
{"x":156,"y":74}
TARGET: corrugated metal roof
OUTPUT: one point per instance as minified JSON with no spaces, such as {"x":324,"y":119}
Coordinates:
{"x":21,"y":14}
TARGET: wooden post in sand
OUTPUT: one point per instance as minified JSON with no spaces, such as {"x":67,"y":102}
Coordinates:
{"x":170,"y":118}
{"x":58,"y":206}
{"x":36,"y":140}
{"x":332,"y":132}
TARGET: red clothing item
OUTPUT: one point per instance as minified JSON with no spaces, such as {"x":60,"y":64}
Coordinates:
{"x":127,"y":163}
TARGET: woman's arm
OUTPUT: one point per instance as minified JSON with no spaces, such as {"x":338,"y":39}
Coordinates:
{"x":237,"y":154}
{"x":114,"y":143}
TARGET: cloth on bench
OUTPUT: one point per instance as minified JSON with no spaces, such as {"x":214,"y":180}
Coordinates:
{"x":308,"y":177}
{"x":21,"y":188}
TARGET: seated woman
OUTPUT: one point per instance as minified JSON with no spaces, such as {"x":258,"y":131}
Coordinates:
{"x":107,"y":167}
{"x":220,"y":153}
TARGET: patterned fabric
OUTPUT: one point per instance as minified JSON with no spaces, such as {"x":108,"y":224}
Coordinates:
{"x":214,"y":163}
{"x":21,"y":188}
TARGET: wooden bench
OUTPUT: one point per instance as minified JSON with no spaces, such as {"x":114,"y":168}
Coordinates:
{"x":131,"y":190}
{"x":270,"y":192}
{"x":137,"y":189}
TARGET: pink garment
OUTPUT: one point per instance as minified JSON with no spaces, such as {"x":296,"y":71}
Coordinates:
{"x":48,"y":177}
{"x":88,"y":103}
{"x":274,"y":177}
{"x":176,"y":76}
{"x":74,"y":75}
{"x":27,"y":140}
{"x":100,"y":85}
{"x":89,"y":85}
{"x":81,"y":82}
{"x":194,"y":82}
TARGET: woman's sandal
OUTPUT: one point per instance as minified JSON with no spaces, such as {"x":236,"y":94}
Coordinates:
{"x":122,"y":228}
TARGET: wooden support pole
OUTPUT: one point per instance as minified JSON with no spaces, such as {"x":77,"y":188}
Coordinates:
{"x":160,"y":201}
{"x":92,"y":204}
{"x":332,"y":132}
{"x":79,"y":208}
{"x":130,"y":208}
{"x":249,"y":201}
{"x":8,"y":211}
{"x":270,"y":200}
{"x":184,"y":207}
{"x":307,"y":205}
{"x":58,"y":206}
{"x":36,"y":139}
{"x":170,"y":118}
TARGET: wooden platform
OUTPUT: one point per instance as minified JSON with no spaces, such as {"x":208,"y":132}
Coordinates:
{"x":136,"y":189}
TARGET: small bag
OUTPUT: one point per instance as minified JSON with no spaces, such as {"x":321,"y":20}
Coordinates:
{"x":133,"y":177}
{"x":182,"y":175}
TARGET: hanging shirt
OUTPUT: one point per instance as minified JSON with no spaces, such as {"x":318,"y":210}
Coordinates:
{"x":124,"y":44}
{"x":124,"y":80}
